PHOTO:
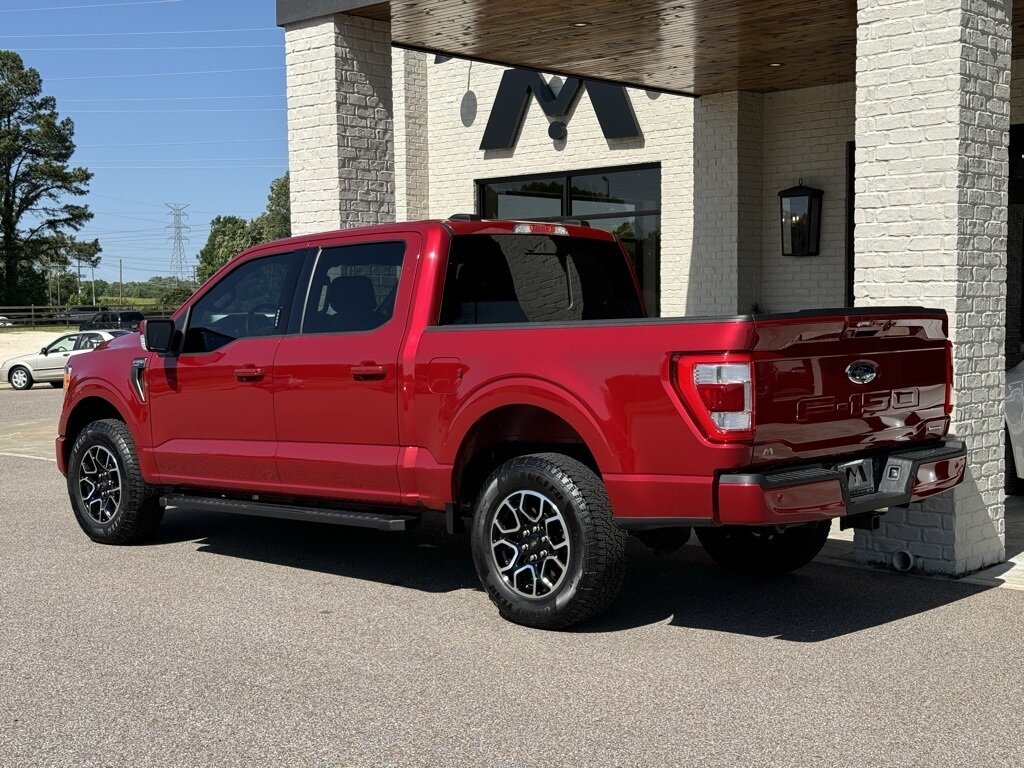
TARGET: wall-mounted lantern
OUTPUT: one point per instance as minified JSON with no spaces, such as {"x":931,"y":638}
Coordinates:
{"x":800,"y":207}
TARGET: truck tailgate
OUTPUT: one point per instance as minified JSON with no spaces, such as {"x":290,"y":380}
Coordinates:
{"x":843,"y":381}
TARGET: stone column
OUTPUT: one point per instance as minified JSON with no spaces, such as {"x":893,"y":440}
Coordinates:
{"x":933,"y":113}
{"x":725,"y":262}
{"x":340,"y":137}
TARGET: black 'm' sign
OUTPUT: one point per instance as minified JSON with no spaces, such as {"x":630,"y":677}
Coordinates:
{"x":611,"y":104}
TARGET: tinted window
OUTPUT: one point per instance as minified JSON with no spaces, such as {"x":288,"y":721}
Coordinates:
{"x":353,"y":288}
{"x":253,"y":300}
{"x":132,"y":316}
{"x":625,"y":202}
{"x":536,"y":278}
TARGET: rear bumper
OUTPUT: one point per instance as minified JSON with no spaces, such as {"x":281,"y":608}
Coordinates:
{"x":819,"y":492}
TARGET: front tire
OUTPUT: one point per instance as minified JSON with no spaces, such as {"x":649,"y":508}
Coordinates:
{"x":112,"y":502}
{"x":20,"y":378}
{"x":544,"y":543}
{"x":771,"y":550}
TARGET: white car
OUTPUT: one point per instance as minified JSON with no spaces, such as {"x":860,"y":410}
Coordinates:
{"x":48,"y":363}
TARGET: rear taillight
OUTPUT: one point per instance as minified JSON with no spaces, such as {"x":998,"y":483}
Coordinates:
{"x":949,"y":378}
{"x":720,"y":396}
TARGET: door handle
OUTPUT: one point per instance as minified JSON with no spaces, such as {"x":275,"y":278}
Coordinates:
{"x":249,"y":374}
{"x":369,"y":372}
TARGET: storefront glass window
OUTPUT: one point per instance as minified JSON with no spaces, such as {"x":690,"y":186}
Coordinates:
{"x":624,"y":201}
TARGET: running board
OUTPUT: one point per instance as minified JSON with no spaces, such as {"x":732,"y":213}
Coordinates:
{"x":376,"y":520}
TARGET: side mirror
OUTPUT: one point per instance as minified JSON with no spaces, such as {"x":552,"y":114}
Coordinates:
{"x":158,"y":335}
{"x":43,"y":351}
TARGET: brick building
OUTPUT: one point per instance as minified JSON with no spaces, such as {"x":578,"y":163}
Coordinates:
{"x":899,"y":110}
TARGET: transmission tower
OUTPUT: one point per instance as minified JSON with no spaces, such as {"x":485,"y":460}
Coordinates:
{"x":179,"y":237}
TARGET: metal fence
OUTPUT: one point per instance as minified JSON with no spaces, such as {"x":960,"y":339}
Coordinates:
{"x":37,"y":315}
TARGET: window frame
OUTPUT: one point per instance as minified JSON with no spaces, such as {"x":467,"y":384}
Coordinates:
{"x":313,"y":255}
{"x":77,"y":335}
{"x":301,"y":256}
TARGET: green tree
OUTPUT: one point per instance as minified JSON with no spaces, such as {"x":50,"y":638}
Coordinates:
{"x":276,"y":221}
{"x":231,"y":234}
{"x":35,"y":176}
{"x":228,"y":235}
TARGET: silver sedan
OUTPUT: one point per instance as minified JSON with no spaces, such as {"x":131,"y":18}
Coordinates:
{"x":48,"y":363}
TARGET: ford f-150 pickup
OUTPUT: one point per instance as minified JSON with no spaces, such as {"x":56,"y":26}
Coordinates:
{"x":505,"y":373}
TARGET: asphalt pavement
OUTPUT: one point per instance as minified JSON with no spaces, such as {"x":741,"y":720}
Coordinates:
{"x":230,"y":641}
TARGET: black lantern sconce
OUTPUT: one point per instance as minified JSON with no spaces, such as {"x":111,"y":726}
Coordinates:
{"x":800,"y":208}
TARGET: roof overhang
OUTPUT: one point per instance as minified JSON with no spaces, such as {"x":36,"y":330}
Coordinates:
{"x":682,"y":46}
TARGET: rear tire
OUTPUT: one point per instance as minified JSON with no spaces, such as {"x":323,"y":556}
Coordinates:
{"x":545,"y":546}
{"x":20,"y":378}
{"x":756,"y":550}
{"x":57,"y":384}
{"x":112,"y":503}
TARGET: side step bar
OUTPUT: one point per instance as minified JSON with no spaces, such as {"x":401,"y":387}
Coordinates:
{"x":377,"y":520}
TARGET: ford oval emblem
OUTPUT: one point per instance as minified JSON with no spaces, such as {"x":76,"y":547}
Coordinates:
{"x":861,"y":372}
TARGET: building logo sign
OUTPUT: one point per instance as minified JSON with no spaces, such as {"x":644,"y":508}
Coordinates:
{"x":611,"y":104}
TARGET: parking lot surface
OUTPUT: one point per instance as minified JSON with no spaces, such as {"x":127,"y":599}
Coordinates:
{"x":240,"y":642}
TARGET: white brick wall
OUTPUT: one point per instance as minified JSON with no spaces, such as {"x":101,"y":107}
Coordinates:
{"x":456,"y":160}
{"x":340,"y":140}
{"x":312,"y":125}
{"x":805,"y":136}
{"x":412,"y":147}
{"x":933,"y":109}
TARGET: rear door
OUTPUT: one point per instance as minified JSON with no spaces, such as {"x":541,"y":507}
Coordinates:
{"x":336,"y":399}
{"x":828,"y":385}
{"x":212,"y":406}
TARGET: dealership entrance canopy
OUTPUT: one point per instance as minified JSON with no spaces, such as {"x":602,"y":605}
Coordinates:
{"x":898,"y":112}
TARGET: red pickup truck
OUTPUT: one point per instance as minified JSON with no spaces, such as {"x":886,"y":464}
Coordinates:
{"x":505,"y":372}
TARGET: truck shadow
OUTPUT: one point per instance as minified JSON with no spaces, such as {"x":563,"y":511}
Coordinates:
{"x":818,"y":602}
{"x":685,"y":589}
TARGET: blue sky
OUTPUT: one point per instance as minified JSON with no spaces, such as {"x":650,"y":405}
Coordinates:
{"x":214,"y":140}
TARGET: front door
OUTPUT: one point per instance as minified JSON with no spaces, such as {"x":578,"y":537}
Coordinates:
{"x":212,"y":406}
{"x":50,"y":366}
{"x":336,"y":402}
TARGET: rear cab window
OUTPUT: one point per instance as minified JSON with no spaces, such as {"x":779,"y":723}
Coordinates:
{"x":531,"y":278}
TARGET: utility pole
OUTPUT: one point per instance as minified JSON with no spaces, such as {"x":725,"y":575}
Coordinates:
{"x":120,"y":282}
{"x":179,"y":230}
{"x":93,"y":275}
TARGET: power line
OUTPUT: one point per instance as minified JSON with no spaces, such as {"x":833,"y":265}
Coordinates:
{"x":152,"y":48}
{"x":181,"y":143}
{"x":177,"y":160}
{"x":171,"y":98}
{"x":150,"y":32}
{"x":84,"y":7}
{"x":177,"y":167}
{"x":165,"y":74}
{"x":170,"y":111}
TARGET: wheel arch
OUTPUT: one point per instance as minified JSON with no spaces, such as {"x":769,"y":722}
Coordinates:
{"x":93,"y":403}
{"x":16,"y":366}
{"x":493,"y":428}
